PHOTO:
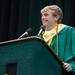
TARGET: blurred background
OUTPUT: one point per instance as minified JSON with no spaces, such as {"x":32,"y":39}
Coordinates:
{"x":18,"y":15}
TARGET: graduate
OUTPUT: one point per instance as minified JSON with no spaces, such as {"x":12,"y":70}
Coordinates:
{"x":60,"y":37}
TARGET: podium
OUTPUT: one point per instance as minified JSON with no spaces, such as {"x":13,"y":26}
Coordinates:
{"x":28,"y":56}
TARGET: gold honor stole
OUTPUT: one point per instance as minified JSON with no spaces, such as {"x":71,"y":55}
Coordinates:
{"x":48,"y":35}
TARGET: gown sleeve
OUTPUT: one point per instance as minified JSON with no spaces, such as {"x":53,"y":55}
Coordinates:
{"x":71,"y":40}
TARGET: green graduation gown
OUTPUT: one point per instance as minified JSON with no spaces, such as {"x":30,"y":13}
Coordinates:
{"x":66,"y":45}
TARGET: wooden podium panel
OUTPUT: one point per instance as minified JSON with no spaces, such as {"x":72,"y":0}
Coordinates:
{"x":28,"y":56}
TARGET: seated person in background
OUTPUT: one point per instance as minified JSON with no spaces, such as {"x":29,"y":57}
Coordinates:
{"x":60,"y":37}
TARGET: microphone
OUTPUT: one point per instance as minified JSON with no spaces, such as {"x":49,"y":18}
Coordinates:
{"x":26,"y":33}
{"x":42,"y":29}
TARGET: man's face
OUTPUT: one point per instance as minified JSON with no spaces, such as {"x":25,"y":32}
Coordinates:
{"x":48,"y":18}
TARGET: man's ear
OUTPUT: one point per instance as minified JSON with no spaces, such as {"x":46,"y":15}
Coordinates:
{"x":57,"y":18}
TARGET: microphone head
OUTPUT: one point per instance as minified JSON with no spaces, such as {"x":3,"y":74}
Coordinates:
{"x":42,"y":27}
{"x":29,"y":31}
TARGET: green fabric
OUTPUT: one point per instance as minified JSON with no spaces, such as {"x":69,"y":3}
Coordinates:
{"x":66,"y":45}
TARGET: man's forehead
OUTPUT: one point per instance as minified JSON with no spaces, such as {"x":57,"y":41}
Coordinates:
{"x":48,"y":11}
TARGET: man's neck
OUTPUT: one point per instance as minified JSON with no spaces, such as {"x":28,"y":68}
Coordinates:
{"x":51,"y":27}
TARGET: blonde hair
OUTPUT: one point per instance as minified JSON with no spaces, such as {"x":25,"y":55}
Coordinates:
{"x":57,"y":11}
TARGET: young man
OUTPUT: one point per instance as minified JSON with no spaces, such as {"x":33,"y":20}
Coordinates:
{"x":59,"y":37}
